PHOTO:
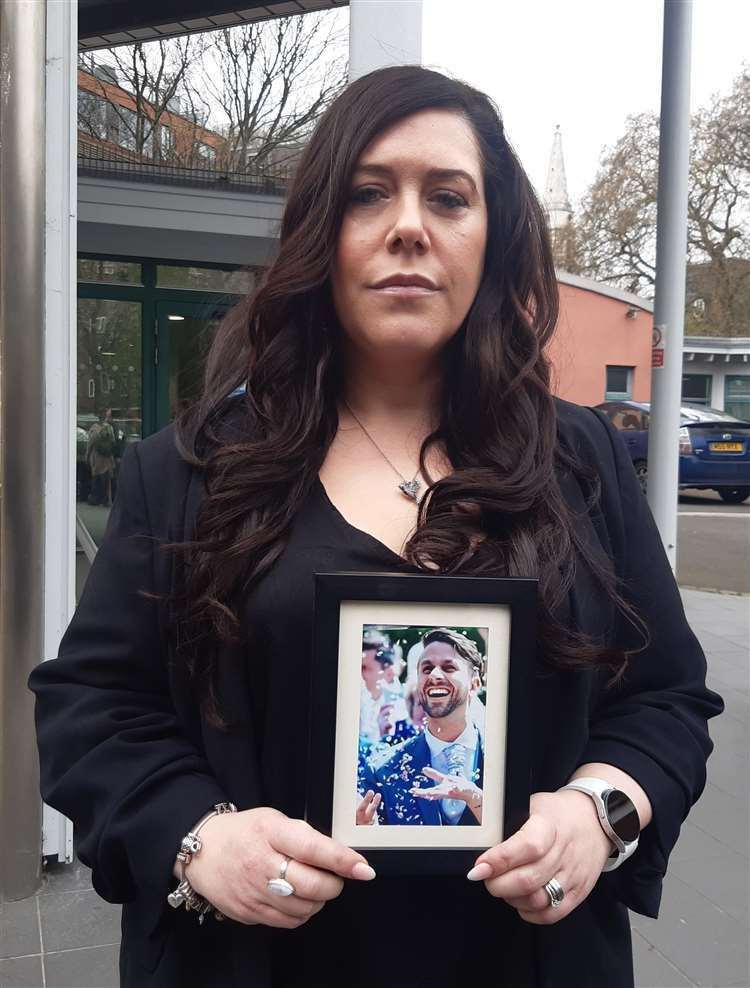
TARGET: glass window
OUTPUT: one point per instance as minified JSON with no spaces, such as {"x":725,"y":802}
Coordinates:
{"x":110,"y":272}
{"x":166,"y":140}
{"x":206,"y":279}
{"x":109,"y":392}
{"x":109,"y":388}
{"x":696,"y":388}
{"x":737,"y":396}
{"x":205,"y":152}
{"x":190,"y":339}
{"x":619,"y":383}
{"x":92,"y":114}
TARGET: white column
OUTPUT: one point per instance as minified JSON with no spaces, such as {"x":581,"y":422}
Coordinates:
{"x":60,"y":354}
{"x":384,"y":32}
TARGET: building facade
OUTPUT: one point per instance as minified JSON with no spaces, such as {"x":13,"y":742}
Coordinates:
{"x":716,"y":372}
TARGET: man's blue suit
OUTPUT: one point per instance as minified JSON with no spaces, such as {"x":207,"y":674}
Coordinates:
{"x":401,"y":771}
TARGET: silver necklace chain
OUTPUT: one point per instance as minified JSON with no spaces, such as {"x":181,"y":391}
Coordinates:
{"x":409,"y":488}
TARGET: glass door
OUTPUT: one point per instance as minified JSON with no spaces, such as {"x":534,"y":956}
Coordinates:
{"x":184,"y":331}
{"x":109,"y":411}
{"x":737,"y":396}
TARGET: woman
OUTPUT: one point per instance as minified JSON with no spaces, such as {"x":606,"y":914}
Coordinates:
{"x":390,"y":408}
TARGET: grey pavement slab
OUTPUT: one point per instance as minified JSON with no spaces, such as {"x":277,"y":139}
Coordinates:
{"x":90,"y":967}
{"x":694,"y":843}
{"x":724,"y":817}
{"x":78,"y":919}
{"x":58,"y":877}
{"x":703,"y":941}
{"x":653,"y":969}
{"x":730,"y":772}
{"x":721,"y":877}
{"x":729,"y":674}
{"x":19,"y":928}
{"x":21,"y":972}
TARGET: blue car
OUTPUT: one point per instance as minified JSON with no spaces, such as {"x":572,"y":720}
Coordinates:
{"x":714,"y":447}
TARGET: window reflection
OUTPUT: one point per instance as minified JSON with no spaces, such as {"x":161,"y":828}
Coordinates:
{"x":108,"y":411}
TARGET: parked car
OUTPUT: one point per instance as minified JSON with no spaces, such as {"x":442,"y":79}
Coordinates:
{"x":714,"y":447}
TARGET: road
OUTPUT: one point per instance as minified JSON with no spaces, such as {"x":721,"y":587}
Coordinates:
{"x":713,"y":543}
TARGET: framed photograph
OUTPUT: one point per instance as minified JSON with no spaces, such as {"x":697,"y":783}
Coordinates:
{"x":420,"y":709}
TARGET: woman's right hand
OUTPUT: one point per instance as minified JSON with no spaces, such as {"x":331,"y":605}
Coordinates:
{"x":242,"y":851}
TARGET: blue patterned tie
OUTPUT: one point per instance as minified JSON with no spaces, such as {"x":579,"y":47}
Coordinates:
{"x":454,"y":759}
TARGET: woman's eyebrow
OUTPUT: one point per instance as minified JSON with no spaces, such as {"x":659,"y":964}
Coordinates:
{"x":439,"y":173}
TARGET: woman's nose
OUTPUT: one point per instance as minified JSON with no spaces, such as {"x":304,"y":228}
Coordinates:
{"x":408,"y":228}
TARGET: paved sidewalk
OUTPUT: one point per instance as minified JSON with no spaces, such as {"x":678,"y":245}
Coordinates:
{"x":67,"y":937}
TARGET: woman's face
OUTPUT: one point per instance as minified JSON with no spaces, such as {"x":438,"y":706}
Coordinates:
{"x":416,"y":215}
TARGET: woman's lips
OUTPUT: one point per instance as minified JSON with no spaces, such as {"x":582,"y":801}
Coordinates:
{"x":406,"y":290}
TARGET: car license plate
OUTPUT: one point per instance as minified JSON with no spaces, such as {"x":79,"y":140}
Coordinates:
{"x":725,"y":447}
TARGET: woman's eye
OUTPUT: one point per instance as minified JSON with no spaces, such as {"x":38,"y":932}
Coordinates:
{"x":365,"y":195}
{"x":368,"y":195}
{"x":451,"y":199}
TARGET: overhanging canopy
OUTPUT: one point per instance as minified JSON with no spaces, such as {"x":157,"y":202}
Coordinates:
{"x":106,"y":23}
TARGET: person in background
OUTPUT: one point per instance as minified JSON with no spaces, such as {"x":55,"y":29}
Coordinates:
{"x":121,"y":442}
{"x":100,"y":453}
{"x":381,"y":702}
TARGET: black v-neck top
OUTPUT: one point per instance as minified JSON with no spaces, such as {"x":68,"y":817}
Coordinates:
{"x":126,"y":753}
{"x":390,"y":933}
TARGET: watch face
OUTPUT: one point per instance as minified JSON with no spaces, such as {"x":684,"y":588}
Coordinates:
{"x":622,"y":815}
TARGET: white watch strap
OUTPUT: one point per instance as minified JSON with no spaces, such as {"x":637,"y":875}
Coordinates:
{"x":595,"y":788}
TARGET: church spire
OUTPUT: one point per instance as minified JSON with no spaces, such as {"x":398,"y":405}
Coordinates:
{"x":559,"y":213}
{"x":556,"y":190}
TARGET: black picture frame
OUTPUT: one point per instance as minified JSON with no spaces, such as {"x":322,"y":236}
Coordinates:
{"x":517,"y":600}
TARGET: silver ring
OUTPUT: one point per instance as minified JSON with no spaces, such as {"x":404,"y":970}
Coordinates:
{"x":555,"y":891}
{"x":280,"y":886}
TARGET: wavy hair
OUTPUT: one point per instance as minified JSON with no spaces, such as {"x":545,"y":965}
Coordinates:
{"x":500,"y":511}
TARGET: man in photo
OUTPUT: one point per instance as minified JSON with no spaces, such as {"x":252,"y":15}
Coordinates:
{"x":448,"y":753}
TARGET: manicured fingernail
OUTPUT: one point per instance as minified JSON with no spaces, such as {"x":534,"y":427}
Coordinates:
{"x":479,"y":872}
{"x":363,"y":872}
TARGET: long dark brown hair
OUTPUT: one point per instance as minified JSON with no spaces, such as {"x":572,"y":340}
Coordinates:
{"x":501,"y":510}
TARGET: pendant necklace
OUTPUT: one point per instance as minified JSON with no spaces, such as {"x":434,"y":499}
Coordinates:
{"x":410,"y":488}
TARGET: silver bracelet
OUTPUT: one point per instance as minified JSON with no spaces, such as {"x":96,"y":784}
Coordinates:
{"x":190,"y":845}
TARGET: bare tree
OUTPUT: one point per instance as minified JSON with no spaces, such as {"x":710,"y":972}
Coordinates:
{"x":719,"y":214}
{"x":617,"y":224}
{"x":269,"y":82}
{"x":152,"y":79}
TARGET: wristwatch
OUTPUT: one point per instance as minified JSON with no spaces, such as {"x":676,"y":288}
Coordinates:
{"x":617,"y":815}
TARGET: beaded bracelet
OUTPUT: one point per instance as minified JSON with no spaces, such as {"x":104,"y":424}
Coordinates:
{"x":190,"y":845}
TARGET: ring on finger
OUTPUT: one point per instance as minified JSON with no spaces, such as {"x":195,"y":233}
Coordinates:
{"x":280,"y":885}
{"x":555,"y":892}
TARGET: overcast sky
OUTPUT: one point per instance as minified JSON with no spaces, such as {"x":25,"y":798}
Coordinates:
{"x":583,"y":64}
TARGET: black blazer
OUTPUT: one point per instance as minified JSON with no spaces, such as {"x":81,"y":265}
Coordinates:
{"x":126,"y":755}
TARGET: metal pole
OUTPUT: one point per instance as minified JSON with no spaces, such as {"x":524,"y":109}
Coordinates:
{"x":22,"y":89}
{"x":671,"y":263}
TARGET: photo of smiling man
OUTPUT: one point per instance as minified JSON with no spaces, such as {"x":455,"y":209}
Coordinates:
{"x":435,"y":778}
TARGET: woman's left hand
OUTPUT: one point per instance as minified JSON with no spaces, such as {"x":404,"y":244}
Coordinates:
{"x":562,"y":839}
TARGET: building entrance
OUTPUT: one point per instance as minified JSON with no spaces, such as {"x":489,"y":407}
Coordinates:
{"x":184,"y":331}
{"x":144,"y":329}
